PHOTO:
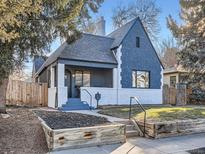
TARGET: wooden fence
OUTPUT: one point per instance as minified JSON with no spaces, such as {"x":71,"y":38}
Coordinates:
{"x":26,"y":93}
{"x":176,"y":96}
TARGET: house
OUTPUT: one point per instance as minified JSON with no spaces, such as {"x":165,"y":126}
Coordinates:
{"x":115,"y":66}
{"x":174,"y":75}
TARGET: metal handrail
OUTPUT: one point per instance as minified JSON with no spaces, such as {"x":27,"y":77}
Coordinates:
{"x":141,"y":107}
{"x":90,"y":97}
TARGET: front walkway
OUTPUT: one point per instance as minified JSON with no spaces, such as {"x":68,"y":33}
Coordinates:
{"x":95,"y":113}
{"x":172,"y":145}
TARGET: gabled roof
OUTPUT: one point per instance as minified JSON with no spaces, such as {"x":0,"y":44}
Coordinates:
{"x":90,"y":48}
{"x":38,"y":62}
{"x":121,"y":32}
{"x":93,"y":48}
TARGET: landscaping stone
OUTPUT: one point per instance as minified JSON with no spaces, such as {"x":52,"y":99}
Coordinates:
{"x":5,"y":116}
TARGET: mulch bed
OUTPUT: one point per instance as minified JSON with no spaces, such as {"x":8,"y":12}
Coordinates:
{"x":61,"y":120}
{"x":21,"y":133}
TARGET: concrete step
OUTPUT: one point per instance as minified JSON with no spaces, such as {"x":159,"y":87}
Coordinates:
{"x":130,"y":127}
{"x":132,"y":133}
{"x":125,"y":122}
{"x":68,"y":108}
{"x":73,"y":104}
{"x":74,"y":100}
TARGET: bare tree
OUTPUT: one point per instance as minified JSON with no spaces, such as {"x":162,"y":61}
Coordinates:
{"x":168,"y":53}
{"x":87,"y":25}
{"x":146,"y":10}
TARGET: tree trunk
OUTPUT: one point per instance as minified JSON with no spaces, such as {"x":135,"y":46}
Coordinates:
{"x":3,"y":88}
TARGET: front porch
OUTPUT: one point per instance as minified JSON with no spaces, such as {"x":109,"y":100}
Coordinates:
{"x":73,"y":86}
{"x":66,"y":81}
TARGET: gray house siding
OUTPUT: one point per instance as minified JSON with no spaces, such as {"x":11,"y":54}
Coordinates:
{"x":101,"y":78}
{"x":142,"y":58}
{"x":98,"y":77}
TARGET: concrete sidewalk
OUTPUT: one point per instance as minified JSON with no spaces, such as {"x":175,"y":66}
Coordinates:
{"x":139,"y":145}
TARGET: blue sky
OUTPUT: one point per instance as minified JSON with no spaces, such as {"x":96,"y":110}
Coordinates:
{"x":167,"y":7}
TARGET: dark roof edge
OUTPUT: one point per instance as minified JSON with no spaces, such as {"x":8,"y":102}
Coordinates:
{"x":43,"y":66}
{"x":127,"y":31}
{"x":122,"y":26}
{"x":60,"y":58}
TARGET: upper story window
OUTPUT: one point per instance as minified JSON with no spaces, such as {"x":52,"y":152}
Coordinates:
{"x":140,"y":79}
{"x":137,"y":42}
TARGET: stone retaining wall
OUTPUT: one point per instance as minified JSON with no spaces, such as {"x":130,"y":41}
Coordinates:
{"x":173,"y":128}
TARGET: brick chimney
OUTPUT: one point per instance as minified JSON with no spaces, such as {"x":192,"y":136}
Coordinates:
{"x":100,"y":26}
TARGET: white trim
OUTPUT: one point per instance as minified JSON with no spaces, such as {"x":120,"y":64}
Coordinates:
{"x":62,"y":90}
{"x":52,"y":77}
{"x":119,"y":69}
{"x":51,"y":97}
{"x":162,"y":77}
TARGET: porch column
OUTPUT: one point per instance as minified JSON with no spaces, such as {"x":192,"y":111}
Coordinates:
{"x":52,"y":75}
{"x":52,"y":89}
{"x":62,"y":90}
{"x":115,"y":77}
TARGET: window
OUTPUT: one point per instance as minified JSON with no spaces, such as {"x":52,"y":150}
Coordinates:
{"x":82,"y":78}
{"x":140,"y":79}
{"x":86,"y":79}
{"x":173,"y":81}
{"x":137,"y":42}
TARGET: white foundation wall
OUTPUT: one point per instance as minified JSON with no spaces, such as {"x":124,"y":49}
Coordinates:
{"x":51,"y":97}
{"x":114,"y":96}
{"x":62,"y":96}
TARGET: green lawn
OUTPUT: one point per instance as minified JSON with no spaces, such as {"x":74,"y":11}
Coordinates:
{"x":158,"y":113}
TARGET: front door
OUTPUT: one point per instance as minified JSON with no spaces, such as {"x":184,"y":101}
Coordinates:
{"x":82,"y":79}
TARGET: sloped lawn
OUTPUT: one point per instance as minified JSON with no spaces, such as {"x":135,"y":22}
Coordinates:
{"x":158,"y":113}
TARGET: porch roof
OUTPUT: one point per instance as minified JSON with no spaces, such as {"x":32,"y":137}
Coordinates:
{"x":89,"y":48}
{"x":83,"y":63}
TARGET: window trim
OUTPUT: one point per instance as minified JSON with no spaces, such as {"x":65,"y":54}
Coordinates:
{"x":149,"y":72}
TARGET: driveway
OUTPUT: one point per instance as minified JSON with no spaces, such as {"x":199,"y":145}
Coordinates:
{"x":172,"y":145}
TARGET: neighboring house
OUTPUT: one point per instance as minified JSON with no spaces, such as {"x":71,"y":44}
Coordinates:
{"x":174,"y":76}
{"x":117,"y":66}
